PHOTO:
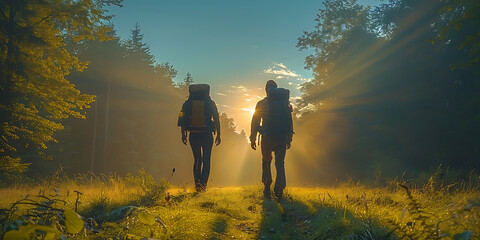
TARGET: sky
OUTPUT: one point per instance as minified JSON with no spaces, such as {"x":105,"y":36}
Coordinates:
{"x":235,"y":46}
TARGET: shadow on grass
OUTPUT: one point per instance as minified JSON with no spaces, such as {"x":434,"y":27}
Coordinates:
{"x":219,"y":227}
{"x":103,"y":209}
{"x":291,"y":219}
{"x":284,"y":220}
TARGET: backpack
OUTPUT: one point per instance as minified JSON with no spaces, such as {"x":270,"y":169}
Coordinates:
{"x":278,"y":115}
{"x":196,"y":114}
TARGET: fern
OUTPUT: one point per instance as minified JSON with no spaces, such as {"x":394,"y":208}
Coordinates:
{"x":425,"y":229}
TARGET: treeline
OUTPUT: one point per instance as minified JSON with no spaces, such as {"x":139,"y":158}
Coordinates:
{"x":132,"y":121}
{"x":395,"y":88}
{"x":62,"y":60}
{"x":132,"y":125}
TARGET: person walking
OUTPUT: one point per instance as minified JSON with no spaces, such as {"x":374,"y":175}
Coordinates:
{"x":199,"y":117}
{"x":273,"y":121}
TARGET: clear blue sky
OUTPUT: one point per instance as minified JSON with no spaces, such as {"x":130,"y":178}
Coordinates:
{"x":235,"y":46}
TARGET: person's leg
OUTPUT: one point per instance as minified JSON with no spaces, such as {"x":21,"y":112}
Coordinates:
{"x":280,"y":180}
{"x":266,"y":163}
{"x":196,"y":145}
{"x":207,"y":144}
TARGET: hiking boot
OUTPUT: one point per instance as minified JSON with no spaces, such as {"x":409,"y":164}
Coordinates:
{"x":266,"y":192}
{"x":198,"y":187}
{"x":279,"y":194}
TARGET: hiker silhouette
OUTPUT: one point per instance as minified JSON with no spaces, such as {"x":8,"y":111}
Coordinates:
{"x":273,"y":121}
{"x":195,"y":120}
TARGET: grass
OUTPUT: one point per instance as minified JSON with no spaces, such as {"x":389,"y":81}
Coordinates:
{"x":134,"y":208}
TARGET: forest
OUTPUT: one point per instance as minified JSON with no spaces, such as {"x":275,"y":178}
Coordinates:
{"x":81,"y":99}
{"x":395,"y":98}
{"x":395,"y":90}
{"x":396,"y":87}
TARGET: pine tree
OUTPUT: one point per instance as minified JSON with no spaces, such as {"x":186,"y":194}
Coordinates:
{"x":137,"y":50}
{"x":188,"y":79}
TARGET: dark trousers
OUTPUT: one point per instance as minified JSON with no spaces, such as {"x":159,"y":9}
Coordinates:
{"x":201,"y":143}
{"x":276,"y":144}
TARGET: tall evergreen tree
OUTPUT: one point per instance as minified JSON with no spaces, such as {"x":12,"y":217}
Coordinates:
{"x":137,"y":50}
{"x":188,"y":80}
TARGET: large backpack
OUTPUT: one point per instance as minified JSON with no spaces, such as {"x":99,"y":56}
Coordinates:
{"x":196,"y":114}
{"x":278,"y":114}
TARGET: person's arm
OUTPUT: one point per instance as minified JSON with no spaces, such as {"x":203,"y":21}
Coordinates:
{"x":290,"y":136}
{"x":254,"y":127}
{"x":184,"y":135}
{"x":181,"y":122}
{"x":216,"y":121}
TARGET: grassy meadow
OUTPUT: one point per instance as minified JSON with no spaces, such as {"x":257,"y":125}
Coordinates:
{"x":136,"y":207}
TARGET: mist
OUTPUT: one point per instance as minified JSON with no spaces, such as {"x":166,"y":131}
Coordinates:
{"x":391,"y":96}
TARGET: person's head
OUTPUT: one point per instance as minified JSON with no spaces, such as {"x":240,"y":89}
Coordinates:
{"x":270,"y":84}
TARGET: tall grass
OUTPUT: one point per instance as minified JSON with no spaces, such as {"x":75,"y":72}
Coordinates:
{"x":135,"y":207}
{"x":94,"y":197}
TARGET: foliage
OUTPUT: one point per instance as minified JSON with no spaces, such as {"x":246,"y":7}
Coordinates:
{"x":341,"y":28}
{"x":47,"y":219}
{"x":34,"y":63}
{"x":167,"y":71}
{"x":385,"y":97}
{"x":10,"y":169}
{"x":101,"y":200}
{"x":459,"y":28}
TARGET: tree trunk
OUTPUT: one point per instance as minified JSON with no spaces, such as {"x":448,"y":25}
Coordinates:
{"x":92,"y":159}
{"x":107,"y":113}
